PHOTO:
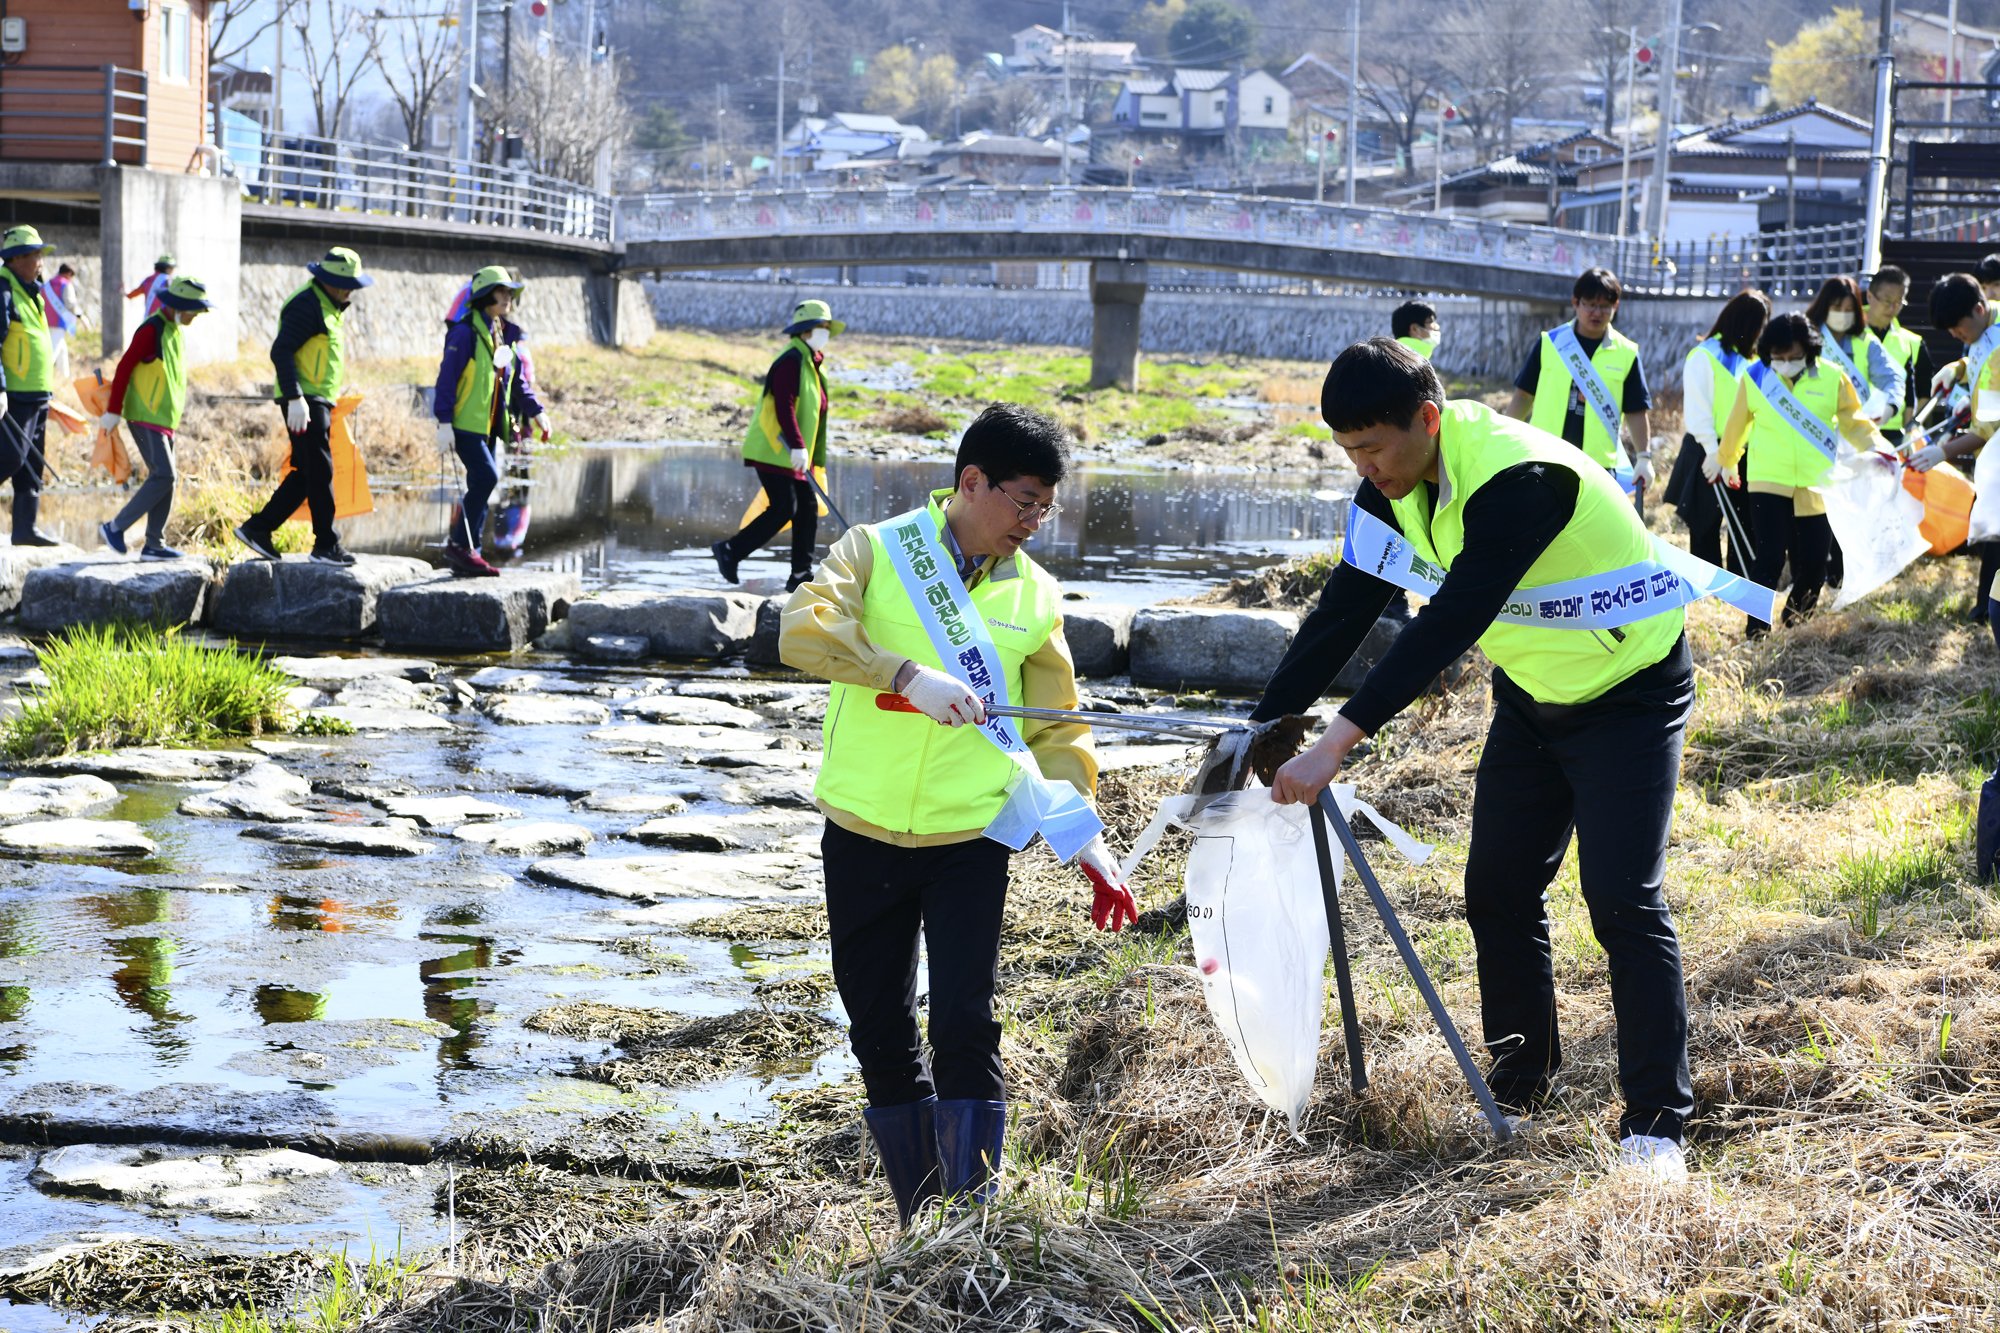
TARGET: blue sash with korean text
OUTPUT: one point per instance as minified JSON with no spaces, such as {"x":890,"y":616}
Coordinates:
{"x":1810,"y":428}
{"x":965,"y":647}
{"x":1595,"y":602}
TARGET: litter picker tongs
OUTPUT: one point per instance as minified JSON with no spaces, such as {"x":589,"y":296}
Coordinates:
{"x":1161,"y":724}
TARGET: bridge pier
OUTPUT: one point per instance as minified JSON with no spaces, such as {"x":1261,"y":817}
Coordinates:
{"x":1117,"y":296}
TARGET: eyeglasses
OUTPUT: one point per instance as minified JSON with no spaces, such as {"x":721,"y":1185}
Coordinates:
{"x":1029,"y":513}
{"x":1597,"y":307}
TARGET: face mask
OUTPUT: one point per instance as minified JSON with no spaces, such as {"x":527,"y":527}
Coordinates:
{"x":1840,"y":321}
{"x":817,"y":339}
{"x":1791,"y":370}
{"x":1433,"y":342}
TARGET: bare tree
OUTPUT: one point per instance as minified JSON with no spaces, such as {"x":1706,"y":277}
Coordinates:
{"x":1402,"y":67}
{"x":1502,"y":61}
{"x":1604,"y":25}
{"x":338,"y":44}
{"x":422,"y":65}
{"x":233,"y":26}
{"x":566,"y":107}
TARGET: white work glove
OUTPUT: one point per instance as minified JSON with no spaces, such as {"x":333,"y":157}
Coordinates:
{"x":801,"y":461}
{"x":1927,"y":458}
{"x":944,"y":698}
{"x":1711,"y":463}
{"x":3,"y":403}
{"x":1642,"y":468}
{"x":447,"y":437}
{"x":1945,"y":378}
{"x":297,"y":418}
{"x":1111,"y":906}
{"x":540,"y":422}
{"x":110,"y":422}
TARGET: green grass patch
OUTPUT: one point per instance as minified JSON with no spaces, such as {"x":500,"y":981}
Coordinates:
{"x":1868,"y":883}
{"x":113,"y":685}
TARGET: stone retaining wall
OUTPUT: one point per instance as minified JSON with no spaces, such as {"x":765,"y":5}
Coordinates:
{"x":1481,"y":337}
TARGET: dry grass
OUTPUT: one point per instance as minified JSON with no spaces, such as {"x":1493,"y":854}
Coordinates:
{"x":917,"y":420}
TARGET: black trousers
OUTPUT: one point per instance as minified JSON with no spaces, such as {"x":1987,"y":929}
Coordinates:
{"x":791,"y":501}
{"x":1779,"y":533}
{"x":878,"y":898}
{"x":22,"y":437}
{"x":482,"y":474}
{"x":1700,"y":508}
{"x":1606,"y":771}
{"x":310,"y":482}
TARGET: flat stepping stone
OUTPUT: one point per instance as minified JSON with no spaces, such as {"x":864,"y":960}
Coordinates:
{"x":611,"y":647}
{"x":334,"y":672}
{"x":227,"y":1185}
{"x":691,"y":833}
{"x":476,"y":615}
{"x":296,"y":597}
{"x":445,"y":811}
{"x":17,"y":562}
{"x":531,"y":710}
{"x":30,"y":798}
{"x":681,"y":623}
{"x":361,"y":839}
{"x":694,"y":712}
{"x":745,"y":693}
{"x":277,"y":749}
{"x":535,"y":839}
{"x":386,"y":692}
{"x":266,"y":792}
{"x":683,"y":875}
{"x":671,"y":736}
{"x":78,"y":837}
{"x":785,"y":793}
{"x":145,"y":763}
{"x":633,"y":803}
{"x":102,"y":591}
{"x":386,"y":719}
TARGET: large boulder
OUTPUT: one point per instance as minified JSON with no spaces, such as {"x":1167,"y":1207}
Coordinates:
{"x":676,"y":622}
{"x":1185,"y":646}
{"x":95,"y":592}
{"x":17,"y":562}
{"x":475,"y":615}
{"x":1100,"y":636}
{"x":296,"y":597}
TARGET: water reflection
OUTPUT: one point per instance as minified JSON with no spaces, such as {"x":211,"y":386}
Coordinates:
{"x":291,"y":912}
{"x":446,"y":997}
{"x":280,"y":1004}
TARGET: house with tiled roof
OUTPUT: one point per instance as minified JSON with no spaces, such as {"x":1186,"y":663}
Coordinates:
{"x":1526,"y":185}
{"x":1204,"y":102}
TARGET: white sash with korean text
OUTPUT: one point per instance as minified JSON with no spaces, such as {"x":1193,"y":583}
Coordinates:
{"x":1809,"y":427}
{"x":1598,"y":394}
{"x":1872,"y":398}
{"x":965,"y":648}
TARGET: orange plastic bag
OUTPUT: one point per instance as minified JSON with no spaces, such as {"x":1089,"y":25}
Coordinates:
{"x":1947,"y":500}
{"x":760,"y":502}
{"x":351,"y":496}
{"x":107,"y":450}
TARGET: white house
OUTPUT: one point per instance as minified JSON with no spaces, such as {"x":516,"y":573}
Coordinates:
{"x":1040,"y":50}
{"x":844,"y":136}
{"x":1204,"y":102}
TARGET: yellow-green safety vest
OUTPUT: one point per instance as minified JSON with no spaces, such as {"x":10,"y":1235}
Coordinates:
{"x":1555,"y":666}
{"x":1417,"y":345}
{"x":157,"y":391}
{"x":1613,"y":361}
{"x":475,"y":409}
{"x":901,"y":771}
{"x":1778,"y":455}
{"x":1723,"y":386}
{"x":26,"y":354}
{"x":318,"y":360}
{"x":1902,"y":346}
{"x":765,"y":443}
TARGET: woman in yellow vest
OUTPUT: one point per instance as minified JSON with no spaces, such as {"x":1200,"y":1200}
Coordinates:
{"x":911,"y":849}
{"x":29,"y":361}
{"x":148,"y":393}
{"x":1710,"y":380}
{"x":1793,"y":413}
{"x":786,"y":441}
{"x":1583,"y":382}
{"x":1547,"y":567}
{"x":480,"y":389}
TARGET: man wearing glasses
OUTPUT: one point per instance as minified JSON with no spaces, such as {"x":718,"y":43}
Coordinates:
{"x":1583,"y":381}
{"x":942,"y":607}
{"x":1886,"y":293}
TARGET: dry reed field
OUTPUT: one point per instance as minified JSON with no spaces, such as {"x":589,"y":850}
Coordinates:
{"x":1845,"y":1034}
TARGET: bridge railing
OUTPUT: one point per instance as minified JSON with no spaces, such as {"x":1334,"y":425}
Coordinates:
{"x":306,"y":172}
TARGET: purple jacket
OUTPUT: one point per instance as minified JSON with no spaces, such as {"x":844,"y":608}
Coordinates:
{"x":519,"y":387}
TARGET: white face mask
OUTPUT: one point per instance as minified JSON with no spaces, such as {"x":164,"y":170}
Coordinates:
{"x":817,"y":339}
{"x":1840,"y":321}
{"x":1435,"y":340}
{"x":1791,"y":370}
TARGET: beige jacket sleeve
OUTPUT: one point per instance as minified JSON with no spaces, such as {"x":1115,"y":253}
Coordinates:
{"x":1063,"y":750}
{"x":1735,"y":433}
{"x":1856,"y":429}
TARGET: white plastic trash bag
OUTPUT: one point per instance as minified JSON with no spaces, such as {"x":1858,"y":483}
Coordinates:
{"x":1258,"y":920}
{"x":1986,"y":497}
{"x":1875,"y":521}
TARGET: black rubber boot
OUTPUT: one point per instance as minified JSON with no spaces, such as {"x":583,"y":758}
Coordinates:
{"x":906,"y":1138}
{"x":1986,"y":834}
{"x":969,"y":1138}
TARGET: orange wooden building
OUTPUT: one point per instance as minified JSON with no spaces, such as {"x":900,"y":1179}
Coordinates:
{"x":103,"y":80}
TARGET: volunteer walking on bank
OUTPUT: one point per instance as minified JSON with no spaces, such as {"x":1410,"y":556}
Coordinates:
{"x":1547,"y":567}
{"x":943,"y":607}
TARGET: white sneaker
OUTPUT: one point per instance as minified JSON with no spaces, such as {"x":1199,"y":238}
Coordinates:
{"x":1657,"y":1157}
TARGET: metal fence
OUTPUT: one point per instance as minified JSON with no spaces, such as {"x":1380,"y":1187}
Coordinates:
{"x":1782,"y":264}
{"x":306,"y":172}
{"x":106,"y":111}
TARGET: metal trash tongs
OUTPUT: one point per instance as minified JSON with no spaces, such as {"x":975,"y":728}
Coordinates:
{"x":1171,"y":724}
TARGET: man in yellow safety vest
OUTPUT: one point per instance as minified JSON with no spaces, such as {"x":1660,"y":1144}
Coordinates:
{"x":1583,"y":382}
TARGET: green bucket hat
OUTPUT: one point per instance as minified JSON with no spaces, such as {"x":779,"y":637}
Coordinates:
{"x":167,"y":260}
{"x":185,"y":293}
{"x":23,"y":241}
{"x":810,"y":313}
{"x":493,"y":275}
{"x":340,"y":268}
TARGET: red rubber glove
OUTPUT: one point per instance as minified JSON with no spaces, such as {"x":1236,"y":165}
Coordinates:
{"x":1111,"y":907}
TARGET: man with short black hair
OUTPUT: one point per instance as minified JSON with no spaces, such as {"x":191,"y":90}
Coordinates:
{"x":1583,"y":382}
{"x":1960,"y":307}
{"x":1886,"y":293}
{"x":1415,"y":325}
{"x":939,"y":612}
{"x":1592,"y":688}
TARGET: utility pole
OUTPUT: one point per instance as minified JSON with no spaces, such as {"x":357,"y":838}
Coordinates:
{"x":1437,"y":176}
{"x":1065,"y":101}
{"x":1950,"y":60}
{"x":1878,"y":148}
{"x":278,"y":75}
{"x":778,"y":153}
{"x":1791,"y":181}
{"x":1326,"y":141}
{"x":468,"y":55}
{"x":1353,"y":96}
{"x":1663,"y":154}
{"x":1625,"y":154}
